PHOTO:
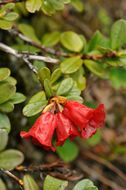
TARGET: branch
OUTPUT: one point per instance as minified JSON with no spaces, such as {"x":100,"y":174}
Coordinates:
{"x":15,"y":32}
{"x":27,"y":57}
{"x":10,"y":1}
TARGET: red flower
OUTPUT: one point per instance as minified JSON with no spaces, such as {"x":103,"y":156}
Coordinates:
{"x":86,"y":119}
{"x":42,"y":130}
{"x":65,"y":129}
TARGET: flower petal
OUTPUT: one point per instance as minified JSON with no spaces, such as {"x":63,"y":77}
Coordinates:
{"x":65,"y":129}
{"x":42,"y":130}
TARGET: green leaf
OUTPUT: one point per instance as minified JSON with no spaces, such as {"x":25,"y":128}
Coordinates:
{"x":44,"y":73}
{"x":33,"y":5}
{"x":29,"y":183}
{"x":18,"y":98}
{"x":5,"y":25}
{"x":78,"y":76}
{"x":28,"y":31}
{"x":65,"y":86}
{"x":96,"y":41}
{"x":95,"y":139}
{"x":4,"y":122}
{"x":68,"y":152}
{"x":78,"y":4}
{"x":7,"y":107}
{"x":85,"y":184}
{"x":11,"y":16}
{"x":2,"y":185}
{"x":51,"y":183}
{"x":4,"y":73}
{"x":75,"y":97}
{"x":72,"y":41}
{"x":51,"y":39}
{"x":6,"y":91}
{"x":11,"y":80}
{"x":118,"y":34}
{"x":55,"y":75}
{"x":71,"y":65}
{"x":38,"y":97}
{"x":96,"y":68}
{"x":48,"y":88}
{"x":3,"y":138}
{"x":118,"y":77}
{"x":11,"y":158}
{"x":32,"y":109}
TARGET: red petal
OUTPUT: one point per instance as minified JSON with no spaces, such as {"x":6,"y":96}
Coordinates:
{"x":84,"y":117}
{"x":65,"y":129}
{"x":42,"y":130}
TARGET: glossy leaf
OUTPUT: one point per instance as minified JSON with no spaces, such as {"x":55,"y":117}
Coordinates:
{"x":68,"y":152}
{"x":4,"y":122}
{"x":65,"y":86}
{"x":48,"y":88}
{"x":72,"y":41}
{"x":29,"y":183}
{"x":71,"y":65}
{"x":17,"y":98}
{"x":4,"y":73}
{"x":11,"y":158}
{"x":28,"y":31}
{"x":96,"y":68}
{"x":118,"y":31}
{"x":32,"y":109}
{"x":38,"y":97}
{"x":3,"y":138}
{"x":44,"y":73}
{"x":5,"y":25}
{"x":7,"y":107}
{"x":33,"y":5}
{"x":55,"y":75}
{"x":52,"y":183}
{"x":6,"y":91}
{"x":85,"y":184}
{"x":51,"y":39}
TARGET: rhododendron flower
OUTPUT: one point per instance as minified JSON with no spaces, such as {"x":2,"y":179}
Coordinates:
{"x":85,"y":118}
{"x":42,"y":131}
{"x":65,"y":119}
{"x":65,"y":129}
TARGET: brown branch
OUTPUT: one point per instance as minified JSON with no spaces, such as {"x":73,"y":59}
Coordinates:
{"x":56,"y":169}
{"x":10,"y":1}
{"x":96,"y":57}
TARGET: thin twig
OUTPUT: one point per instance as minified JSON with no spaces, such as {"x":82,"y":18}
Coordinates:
{"x":105,"y":163}
{"x":15,"y":32}
{"x":15,"y":178}
{"x":27,"y":56}
{"x":92,"y":172}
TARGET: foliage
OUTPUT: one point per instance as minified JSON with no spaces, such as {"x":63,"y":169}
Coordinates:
{"x":76,"y":59}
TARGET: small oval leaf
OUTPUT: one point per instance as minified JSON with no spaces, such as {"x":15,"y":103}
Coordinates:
{"x":72,"y":41}
{"x":71,"y":65}
{"x":3,"y":138}
{"x":29,"y":183}
{"x":65,"y":86}
{"x":9,"y":159}
{"x":4,"y":122}
{"x":32,"y":109}
{"x":4,"y":73}
{"x":52,"y":183}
